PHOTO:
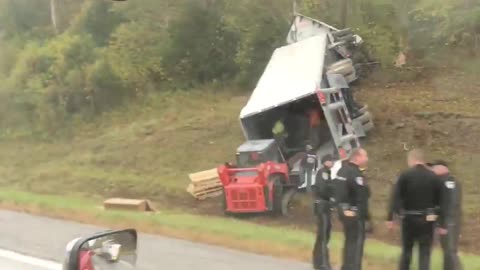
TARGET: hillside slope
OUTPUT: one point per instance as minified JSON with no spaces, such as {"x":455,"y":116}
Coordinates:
{"x":147,"y":149}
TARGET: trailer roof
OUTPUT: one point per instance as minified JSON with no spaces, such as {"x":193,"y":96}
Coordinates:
{"x":294,"y":71}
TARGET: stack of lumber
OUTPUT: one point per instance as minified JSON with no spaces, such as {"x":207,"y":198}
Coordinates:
{"x":205,"y":184}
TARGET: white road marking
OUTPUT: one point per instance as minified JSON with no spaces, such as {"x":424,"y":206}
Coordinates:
{"x":47,"y":265}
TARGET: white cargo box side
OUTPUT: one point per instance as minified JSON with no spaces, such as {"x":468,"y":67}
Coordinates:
{"x":294,"y":71}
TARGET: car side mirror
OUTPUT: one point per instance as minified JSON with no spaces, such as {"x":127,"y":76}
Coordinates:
{"x":109,"y":250}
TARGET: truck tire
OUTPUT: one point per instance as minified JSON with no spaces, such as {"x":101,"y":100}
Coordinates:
{"x":277,"y":194}
{"x":351,"y":77}
{"x":344,"y":67}
{"x":368,"y":126}
{"x":346,"y":38}
{"x":364,"y":109}
{"x":343,"y":32}
{"x":365,"y":117}
{"x":287,"y":200}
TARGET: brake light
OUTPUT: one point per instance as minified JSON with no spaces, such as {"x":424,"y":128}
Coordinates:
{"x":321,"y":97}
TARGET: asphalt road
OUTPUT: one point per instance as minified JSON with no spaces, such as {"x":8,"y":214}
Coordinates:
{"x":45,"y":238}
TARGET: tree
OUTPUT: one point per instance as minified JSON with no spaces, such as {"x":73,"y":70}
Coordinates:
{"x":53,"y":14}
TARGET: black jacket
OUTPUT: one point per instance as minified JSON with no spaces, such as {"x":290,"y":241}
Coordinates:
{"x":323,"y":188}
{"x":352,"y":190}
{"x":452,"y":199}
{"x":417,"y":190}
{"x":309,"y":160}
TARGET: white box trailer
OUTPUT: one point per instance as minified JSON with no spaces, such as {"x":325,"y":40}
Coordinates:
{"x":307,"y":72}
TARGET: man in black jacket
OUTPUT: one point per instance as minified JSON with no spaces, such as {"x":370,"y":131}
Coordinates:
{"x":452,"y":194}
{"x":322,"y":195}
{"x":352,"y":193}
{"x":415,"y":197}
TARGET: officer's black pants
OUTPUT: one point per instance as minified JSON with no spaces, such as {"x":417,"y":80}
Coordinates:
{"x":449,"y":242}
{"x":321,"y":258}
{"x":415,"y":229}
{"x":354,"y":231}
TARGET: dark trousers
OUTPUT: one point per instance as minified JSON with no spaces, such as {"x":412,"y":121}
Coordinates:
{"x":306,"y":173}
{"x":354,"y":231}
{"x":321,"y":257}
{"x":449,"y":242}
{"x":415,"y":229}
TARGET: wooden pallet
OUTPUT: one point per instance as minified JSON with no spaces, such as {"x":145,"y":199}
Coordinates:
{"x":205,"y":184}
{"x":210,"y":195}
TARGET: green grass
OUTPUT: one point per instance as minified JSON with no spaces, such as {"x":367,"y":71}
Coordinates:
{"x":147,"y":149}
{"x":377,"y":254}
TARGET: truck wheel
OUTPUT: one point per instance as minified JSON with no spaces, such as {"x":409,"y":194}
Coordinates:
{"x":351,"y":77}
{"x":368,"y":126}
{"x":277,"y":194}
{"x":344,"y":67}
{"x":287,"y":199}
{"x":365,"y":118}
{"x":363,"y":110}
{"x":343,"y":32}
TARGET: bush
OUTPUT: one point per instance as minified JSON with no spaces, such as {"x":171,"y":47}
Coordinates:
{"x":135,"y":54}
{"x":104,"y":89}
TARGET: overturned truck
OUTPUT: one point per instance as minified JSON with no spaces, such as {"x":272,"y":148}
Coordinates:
{"x":314,"y":71}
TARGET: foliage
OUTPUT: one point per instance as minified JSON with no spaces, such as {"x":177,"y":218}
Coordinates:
{"x":98,"y":19}
{"x":97,"y":53}
{"x":135,"y":53}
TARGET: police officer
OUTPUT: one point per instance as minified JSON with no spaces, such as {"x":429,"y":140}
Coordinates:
{"x":352,"y":193}
{"x":416,"y":195}
{"x":308,"y":166}
{"x":452,"y":195}
{"x":322,"y":195}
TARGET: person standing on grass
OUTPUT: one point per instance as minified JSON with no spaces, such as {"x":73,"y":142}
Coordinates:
{"x":452,"y":194}
{"x":416,"y":196}
{"x":352,"y":201}
{"x":322,"y":195}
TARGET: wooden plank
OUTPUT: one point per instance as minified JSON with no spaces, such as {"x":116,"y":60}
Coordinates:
{"x":207,"y":190}
{"x":203,"y":175}
{"x":209,"y":195}
{"x":191,"y":188}
{"x":207,"y":185}
{"x":128,"y":204}
{"x":199,"y":192}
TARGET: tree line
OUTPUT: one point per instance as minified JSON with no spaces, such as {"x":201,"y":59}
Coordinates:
{"x":68,"y":59}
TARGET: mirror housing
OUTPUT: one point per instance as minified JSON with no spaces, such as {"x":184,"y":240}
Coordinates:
{"x":103,"y":251}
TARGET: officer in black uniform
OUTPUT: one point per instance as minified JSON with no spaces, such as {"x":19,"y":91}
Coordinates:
{"x":416,"y":196}
{"x":452,"y":198}
{"x":352,"y":202}
{"x":323,"y":195}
